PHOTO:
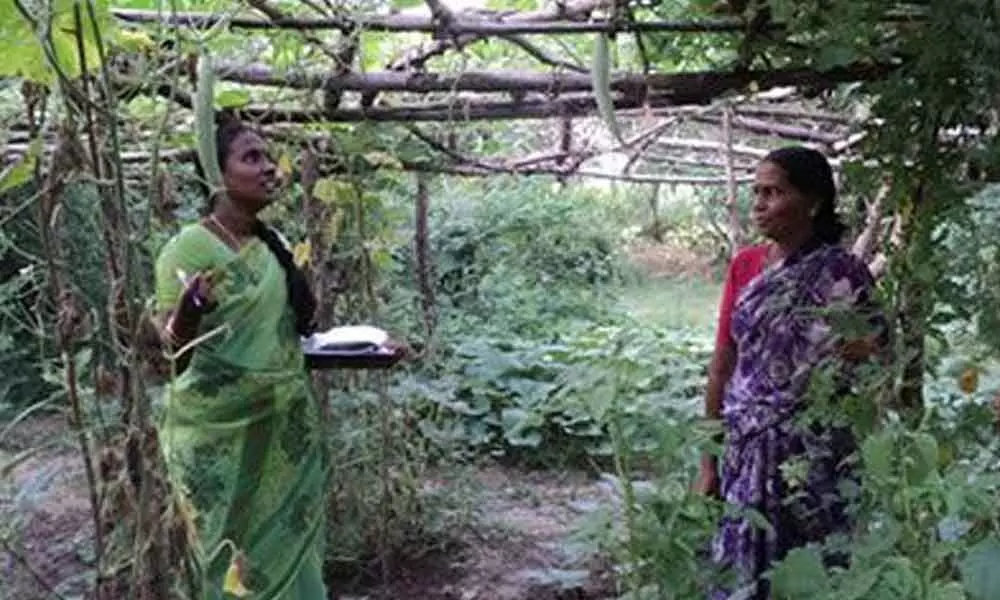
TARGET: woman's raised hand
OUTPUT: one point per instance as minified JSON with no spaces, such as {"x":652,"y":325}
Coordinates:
{"x":198,"y":294}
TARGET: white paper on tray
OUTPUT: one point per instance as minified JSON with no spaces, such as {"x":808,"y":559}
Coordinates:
{"x":348,"y":337}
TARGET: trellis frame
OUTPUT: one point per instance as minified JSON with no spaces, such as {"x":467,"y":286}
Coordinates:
{"x":564,"y":93}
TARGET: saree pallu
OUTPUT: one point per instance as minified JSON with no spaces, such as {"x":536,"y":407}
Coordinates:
{"x":791,"y":473}
{"x":241,"y":432}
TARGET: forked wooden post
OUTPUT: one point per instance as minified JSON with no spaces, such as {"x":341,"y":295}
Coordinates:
{"x":732,"y":204}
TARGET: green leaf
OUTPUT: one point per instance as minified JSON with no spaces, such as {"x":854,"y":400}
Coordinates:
{"x":835,"y":56}
{"x":332,"y":191}
{"x":924,"y":458}
{"x":946,"y":591}
{"x":980,"y":574}
{"x":799,"y":575}
{"x":877,"y":453}
{"x":520,"y":427}
{"x":858,"y":582}
{"x":382,"y":159}
{"x":20,"y":42}
{"x":19,"y":174}
{"x":232,"y":99}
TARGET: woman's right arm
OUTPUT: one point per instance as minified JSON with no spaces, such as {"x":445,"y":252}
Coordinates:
{"x":719,"y":371}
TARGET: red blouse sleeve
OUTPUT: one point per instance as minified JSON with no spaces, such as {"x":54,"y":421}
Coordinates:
{"x":723,"y":333}
{"x":747,"y":264}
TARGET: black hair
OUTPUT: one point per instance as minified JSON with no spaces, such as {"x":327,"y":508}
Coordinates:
{"x":810,"y":173}
{"x":300,"y":294}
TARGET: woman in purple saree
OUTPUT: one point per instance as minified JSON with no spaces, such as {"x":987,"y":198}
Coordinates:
{"x":760,"y":378}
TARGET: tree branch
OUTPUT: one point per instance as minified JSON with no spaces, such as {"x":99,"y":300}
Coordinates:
{"x":710,"y":146}
{"x":541,"y":55}
{"x":415,"y":59}
{"x":707,"y":163}
{"x":776,"y":129}
{"x":472,"y":171}
{"x":275,"y":14}
{"x":789,"y":113}
{"x":687,"y":88}
{"x":476,"y":167}
{"x":442,"y":18}
{"x":864,"y":245}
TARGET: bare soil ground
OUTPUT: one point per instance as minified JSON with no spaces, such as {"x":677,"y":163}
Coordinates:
{"x":668,"y":260}
{"x":521,"y":551}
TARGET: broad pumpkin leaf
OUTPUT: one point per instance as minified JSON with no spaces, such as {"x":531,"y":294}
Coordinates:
{"x":923,"y":457}
{"x":877,"y":453}
{"x":946,"y":591}
{"x":799,"y":575}
{"x":857,"y":583}
{"x":980,"y":574}
{"x":834,"y":55}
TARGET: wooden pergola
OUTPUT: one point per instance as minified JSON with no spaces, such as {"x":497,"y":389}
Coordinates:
{"x":703,"y":128}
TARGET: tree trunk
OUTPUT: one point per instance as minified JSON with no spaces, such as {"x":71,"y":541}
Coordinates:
{"x":656,"y":224}
{"x":421,"y":252}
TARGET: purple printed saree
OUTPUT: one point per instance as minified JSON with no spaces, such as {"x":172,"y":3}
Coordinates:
{"x":781,"y":340}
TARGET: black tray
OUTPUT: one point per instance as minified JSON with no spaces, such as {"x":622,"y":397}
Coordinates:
{"x":352,"y":359}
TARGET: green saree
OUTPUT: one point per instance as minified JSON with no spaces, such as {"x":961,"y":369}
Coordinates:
{"x":241,"y":431}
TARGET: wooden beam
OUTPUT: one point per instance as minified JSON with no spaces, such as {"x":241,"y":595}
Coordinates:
{"x":785,"y":112}
{"x":182,"y":155}
{"x":771,"y":128}
{"x":689,"y":88}
{"x":463,"y":24}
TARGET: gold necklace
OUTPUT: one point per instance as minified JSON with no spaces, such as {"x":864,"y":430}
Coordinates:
{"x":235,"y":240}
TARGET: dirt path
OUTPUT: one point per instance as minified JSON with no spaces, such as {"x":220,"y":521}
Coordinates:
{"x":520,"y":550}
{"x":46,"y":548}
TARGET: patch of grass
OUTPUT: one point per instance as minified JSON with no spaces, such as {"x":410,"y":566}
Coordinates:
{"x":672,"y":302}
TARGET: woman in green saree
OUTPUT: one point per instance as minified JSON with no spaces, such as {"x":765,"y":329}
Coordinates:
{"x":241,"y":431}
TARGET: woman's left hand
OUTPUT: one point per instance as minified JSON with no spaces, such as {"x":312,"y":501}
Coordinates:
{"x":400,"y":349}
